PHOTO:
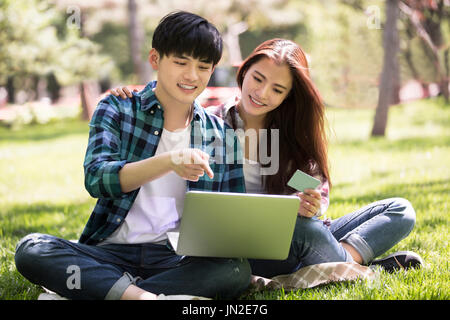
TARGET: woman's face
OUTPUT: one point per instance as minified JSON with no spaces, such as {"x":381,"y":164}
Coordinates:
{"x":265,"y":86}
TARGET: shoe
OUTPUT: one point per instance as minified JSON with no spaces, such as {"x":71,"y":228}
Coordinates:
{"x":50,"y":296}
{"x":54,"y":296}
{"x":179,"y":297}
{"x":399,"y":260}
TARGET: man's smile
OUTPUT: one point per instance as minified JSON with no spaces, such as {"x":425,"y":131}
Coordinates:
{"x":186,"y":87}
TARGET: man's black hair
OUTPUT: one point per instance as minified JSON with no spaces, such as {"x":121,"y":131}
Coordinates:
{"x":185,"y":33}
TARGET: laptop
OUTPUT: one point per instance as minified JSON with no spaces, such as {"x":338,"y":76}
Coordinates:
{"x":236,"y":225}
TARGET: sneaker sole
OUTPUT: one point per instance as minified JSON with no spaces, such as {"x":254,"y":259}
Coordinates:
{"x":406,"y":253}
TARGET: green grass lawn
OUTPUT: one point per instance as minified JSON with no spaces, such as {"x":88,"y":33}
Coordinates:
{"x":42,"y":190}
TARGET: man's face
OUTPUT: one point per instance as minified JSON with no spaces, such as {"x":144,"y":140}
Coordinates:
{"x":181,"y":79}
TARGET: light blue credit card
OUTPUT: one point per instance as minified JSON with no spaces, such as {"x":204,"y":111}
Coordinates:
{"x":301,"y":181}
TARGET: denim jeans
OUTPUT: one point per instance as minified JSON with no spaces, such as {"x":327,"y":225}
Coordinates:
{"x":105,"y":271}
{"x":371,"y":230}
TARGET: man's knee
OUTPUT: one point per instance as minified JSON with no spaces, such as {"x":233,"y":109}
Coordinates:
{"x":28,"y":245}
{"x":29,"y":252}
{"x":235,"y":278}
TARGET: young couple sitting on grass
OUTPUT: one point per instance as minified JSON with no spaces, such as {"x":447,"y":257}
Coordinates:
{"x":129,"y":166}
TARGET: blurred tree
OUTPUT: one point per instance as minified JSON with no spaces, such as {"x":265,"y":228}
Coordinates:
{"x":118,"y":26}
{"x":27,"y":43}
{"x":425,"y":60}
{"x":93,"y":69}
{"x":232,"y":17}
{"x":136,"y":40}
{"x":344,"y":53}
{"x":427,"y":18}
{"x":113,"y":40}
{"x":373,"y":10}
{"x":37,"y":42}
{"x":391,"y":44}
{"x":424,"y":34}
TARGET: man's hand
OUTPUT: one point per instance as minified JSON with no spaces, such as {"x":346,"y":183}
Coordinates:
{"x":190,"y":164}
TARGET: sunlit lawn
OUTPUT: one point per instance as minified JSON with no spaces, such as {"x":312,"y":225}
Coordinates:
{"x":41,"y":190}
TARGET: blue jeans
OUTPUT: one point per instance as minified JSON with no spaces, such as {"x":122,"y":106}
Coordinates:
{"x":79,"y":271}
{"x":371,"y":230}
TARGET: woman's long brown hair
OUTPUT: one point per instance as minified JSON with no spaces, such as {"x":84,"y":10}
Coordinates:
{"x":300,"y":118}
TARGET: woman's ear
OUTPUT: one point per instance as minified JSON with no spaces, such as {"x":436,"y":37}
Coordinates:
{"x":153,"y":58}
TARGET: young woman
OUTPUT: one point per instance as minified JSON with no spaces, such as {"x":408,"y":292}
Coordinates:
{"x":278,"y":95}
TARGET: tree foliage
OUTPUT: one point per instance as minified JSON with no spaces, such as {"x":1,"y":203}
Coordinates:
{"x":345,"y":51}
{"x":35,"y":41}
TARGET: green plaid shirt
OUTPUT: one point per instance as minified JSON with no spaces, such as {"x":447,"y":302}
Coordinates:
{"x":123,"y":131}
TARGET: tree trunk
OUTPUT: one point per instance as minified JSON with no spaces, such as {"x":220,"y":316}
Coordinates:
{"x":396,"y":85}
{"x":231,"y":39}
{"x":136,"y":38}
{"x":86,"y":100}
{"x":89,"y":92}
{"x":445,"y":80}
{"x":53,"y":87}
{"x":390,"y":39}
{"x":11,"y":90}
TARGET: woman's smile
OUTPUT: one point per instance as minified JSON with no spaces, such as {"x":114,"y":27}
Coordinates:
{"x":257,"y":103}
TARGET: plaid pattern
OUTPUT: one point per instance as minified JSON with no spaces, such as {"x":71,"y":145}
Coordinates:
{"x":123,"y":131}
{"x":314,"y":275}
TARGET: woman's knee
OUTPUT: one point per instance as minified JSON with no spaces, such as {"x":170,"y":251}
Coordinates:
{"x":310,"y":230}
{"x":405,"y":208}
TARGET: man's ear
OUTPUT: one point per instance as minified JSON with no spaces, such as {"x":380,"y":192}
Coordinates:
{"x":154,"y":58}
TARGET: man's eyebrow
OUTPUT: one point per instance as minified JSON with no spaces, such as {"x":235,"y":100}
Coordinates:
{"x":264,"y":77}
{"x":180,"y":56}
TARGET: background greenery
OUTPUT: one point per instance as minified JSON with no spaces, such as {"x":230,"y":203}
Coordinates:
{"x":70,"y":41}
{"x":42,"y":190}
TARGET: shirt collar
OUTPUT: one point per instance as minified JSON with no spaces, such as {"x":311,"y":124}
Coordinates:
{"x":230,"y":105}
{"x":199,"y":112}
{"x":148,"y":97}
{"x":230,"y":111}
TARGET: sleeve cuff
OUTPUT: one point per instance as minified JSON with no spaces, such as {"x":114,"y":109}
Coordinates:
{"x":111,"y":181}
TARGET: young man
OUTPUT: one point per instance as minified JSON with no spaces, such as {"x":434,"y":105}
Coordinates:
{"x":143,"y":154}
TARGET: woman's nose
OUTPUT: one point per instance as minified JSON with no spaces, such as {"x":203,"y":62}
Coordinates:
{"x":262,"y":91}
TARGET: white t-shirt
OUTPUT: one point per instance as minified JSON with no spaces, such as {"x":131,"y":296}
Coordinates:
{"x":159,"y":204}
{"x":252,"y":175}
{"x":252,"y":168}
